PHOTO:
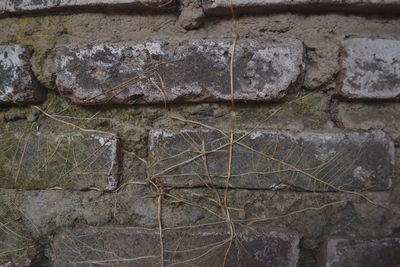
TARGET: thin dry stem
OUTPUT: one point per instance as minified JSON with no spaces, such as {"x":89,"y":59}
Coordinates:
{"x":160,"y":229}
{"x":71,"y":124}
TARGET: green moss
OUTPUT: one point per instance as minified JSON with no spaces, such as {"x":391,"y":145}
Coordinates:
{"x":311,"y":110}
{"x":256,"y":113}
{"x":42,"y":33}
{"x":2,"y":171}
{"x":33,"y":160}
{"x":14,"y":113}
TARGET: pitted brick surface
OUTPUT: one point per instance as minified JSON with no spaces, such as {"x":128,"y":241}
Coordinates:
{"x":211,"y":7}
{"x":35,"y":160}
{"x":194,"y":71}
{"x":201,"y":247}
{"x":274,"y":160}
{"x":360,"y":252}
{"x":370,"y":69}
{"x":23,"y":6}
{"x":17,"y":82}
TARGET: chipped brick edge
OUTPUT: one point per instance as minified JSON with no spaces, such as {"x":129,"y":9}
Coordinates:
{"x":137,"y":6}
{"x":344,"y":94}
{"x":288,"y":61}
{"x":113,"y":177}
{"x":38,"y":91}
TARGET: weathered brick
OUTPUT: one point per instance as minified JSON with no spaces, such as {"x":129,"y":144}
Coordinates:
{"x":192,"y":14}
{"x":17,"y":246}
{"x":35,"y":160}
{"x":317,"y":161}
{"x":366,"y":116}
{"x":198,"y":71}
{"x":200,"y":247}
{"x":26,"y":6}
{"x":223,"y":7}
{"x":360,"y":252}
{"x":212,"y":7}
{"x":17,"y":82}
{"x":370,"y":69}
{"x":2,"y":7}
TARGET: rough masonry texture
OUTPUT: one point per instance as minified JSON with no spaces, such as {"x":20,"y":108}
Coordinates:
{"x":223,"y":7}
{"x":192,"y":71}
{"x":370,"y":69}
{"x":273,"y":160}
{"x":140,"y":247}
{"x":360,"y":252}
{"x":314,"y":175}
{"x":34,"y":160}
{"x":17,"y":83}
{"x":28,"y":6}
{"x":211,"y":7}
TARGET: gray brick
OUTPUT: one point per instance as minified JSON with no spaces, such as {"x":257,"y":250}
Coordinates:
{"x":346,"y":160}
{"x":360,"y":252}
{"x":211,"y":7}
{"x":222,"y":7}
{"x":370,"y":69}
{"x":21,"y":251}
{"x":384,"y":116}
{"x":2,"y":7}
{"x":28,"y":6}
{"x":35,"y":160}
{"x":200,"y":247}
{"x":199,"y":71}
{"x":17,"y":82}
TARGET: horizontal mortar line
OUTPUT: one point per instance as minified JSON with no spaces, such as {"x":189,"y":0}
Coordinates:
{"x":297,"y":190}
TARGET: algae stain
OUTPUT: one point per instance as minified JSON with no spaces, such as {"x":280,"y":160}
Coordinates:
{"x":42,"y":33}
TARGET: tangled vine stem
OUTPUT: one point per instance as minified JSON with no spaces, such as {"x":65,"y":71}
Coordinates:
{"x":220,"y":202}
{"x":220,"y":206}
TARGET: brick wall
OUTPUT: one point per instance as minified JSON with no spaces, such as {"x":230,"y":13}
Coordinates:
{"x":159,"y":132}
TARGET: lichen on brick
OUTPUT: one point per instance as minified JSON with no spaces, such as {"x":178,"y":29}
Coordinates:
{"x":274,"y":160}
{"x":156,"y":72}
{"x":17,"y":82}
{"x":35,"y":160}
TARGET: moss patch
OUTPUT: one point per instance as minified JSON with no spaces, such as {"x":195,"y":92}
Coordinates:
{"x":310,"y":111}
{"x":42,"y":33}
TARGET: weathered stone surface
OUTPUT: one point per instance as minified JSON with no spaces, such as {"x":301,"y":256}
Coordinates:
{"x":17,"y":82}
{"x":35,"y":160}
{"x":48,"y":210}
{"x":2,"y":7}
{"x":322,"y":64}
{"x":219,"y":7}
{"x":192,"y":14}
{"x":197,"y":71}
{"x":23,"y":6}
{"x":370,"y":69}
{"x":139,"y":247}
{"x":38,"y":213}
{"x":273,"y":160}
{"x":368,"y":116}
{"x":212,"y":7}
{"x":358,"y":252}
{"x":17,"y":246}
